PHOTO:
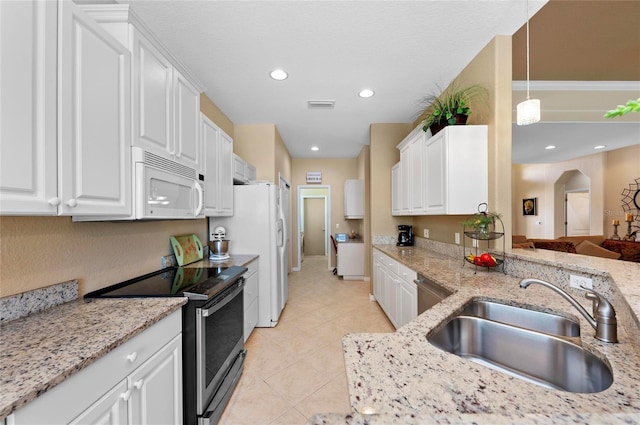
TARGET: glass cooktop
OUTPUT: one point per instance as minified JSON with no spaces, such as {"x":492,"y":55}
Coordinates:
{"x":193,"y":282}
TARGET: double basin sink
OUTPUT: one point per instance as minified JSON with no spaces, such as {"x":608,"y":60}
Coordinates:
{"x":538,"y":347}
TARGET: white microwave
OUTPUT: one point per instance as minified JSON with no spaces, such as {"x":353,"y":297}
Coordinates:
{"x":165,"y":189}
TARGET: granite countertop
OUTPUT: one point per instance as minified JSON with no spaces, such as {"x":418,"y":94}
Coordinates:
{"x":39,"y":351}
{"x":399,"y":377}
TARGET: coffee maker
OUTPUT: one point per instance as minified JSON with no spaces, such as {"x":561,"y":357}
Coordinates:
{"x":405,"y":236}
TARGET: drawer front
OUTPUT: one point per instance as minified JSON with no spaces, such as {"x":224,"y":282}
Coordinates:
{"x":406,"y":274}
{"x":250,"y":318}
{"x":391,"y":264}
{"x":250,"y":293}
{"x":252,"y":268}
{"x":92,"y":382}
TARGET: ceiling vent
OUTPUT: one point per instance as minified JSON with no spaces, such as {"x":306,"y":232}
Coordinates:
{"x":321,"y":104}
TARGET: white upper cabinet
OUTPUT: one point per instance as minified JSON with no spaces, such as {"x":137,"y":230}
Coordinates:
{"x":218,"y":173}
{"x":66,"y":131}
{"x":443,"y":174}
{"x":166,"y":97}
{"x":152,"y":77}
{"x":94,"y":116}
{"x":353,"y":198}
{"x":457,"y":169}
{"x":28,"y":183}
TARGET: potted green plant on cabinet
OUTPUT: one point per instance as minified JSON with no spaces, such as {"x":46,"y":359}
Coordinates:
{"x":451,"y":107}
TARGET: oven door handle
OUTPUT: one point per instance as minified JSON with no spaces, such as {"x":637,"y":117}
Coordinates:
{"x":225,"y":299}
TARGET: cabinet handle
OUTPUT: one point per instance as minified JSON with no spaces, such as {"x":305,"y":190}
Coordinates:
{"x":72,"y":203}
{"x":55,"y":201}
{"x":132,"y":357}
{"x":138,"y":384}
{"x":126,"y":395}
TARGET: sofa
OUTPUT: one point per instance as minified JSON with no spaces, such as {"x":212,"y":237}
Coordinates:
{"x":593,"y":245}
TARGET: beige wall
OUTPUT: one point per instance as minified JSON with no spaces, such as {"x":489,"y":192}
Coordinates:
{"x":334,"y":172}
{"x":214,"y":113}
{"x":36,"y":252}
{"x":492,"y":69}
{"x":608,"y":172}
{"x":383,"y":139}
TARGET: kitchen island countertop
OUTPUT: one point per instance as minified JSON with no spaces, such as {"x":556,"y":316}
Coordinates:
{"x":400,"y":378}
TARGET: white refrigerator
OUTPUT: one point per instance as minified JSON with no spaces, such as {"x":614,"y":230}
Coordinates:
{"x":258,"y":227}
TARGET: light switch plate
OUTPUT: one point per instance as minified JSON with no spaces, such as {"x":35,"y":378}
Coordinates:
{"x":457,"y":238}
{"x":426,"y":233}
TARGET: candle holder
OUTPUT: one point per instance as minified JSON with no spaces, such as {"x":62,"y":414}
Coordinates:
{"x":615,"y":236}
{"x":628,"y":236}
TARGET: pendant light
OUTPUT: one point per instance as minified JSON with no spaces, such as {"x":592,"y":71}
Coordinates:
{"x":528,"y":112}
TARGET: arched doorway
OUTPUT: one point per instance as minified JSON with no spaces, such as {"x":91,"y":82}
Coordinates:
{"x":572,"y":214}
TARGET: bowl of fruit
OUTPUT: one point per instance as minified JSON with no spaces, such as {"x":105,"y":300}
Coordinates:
{"x":485,"y":260}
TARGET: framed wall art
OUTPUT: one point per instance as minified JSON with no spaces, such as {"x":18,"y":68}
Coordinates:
{"x":529,"y":206}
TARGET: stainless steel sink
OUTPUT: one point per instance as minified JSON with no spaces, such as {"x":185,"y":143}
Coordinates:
{"x":522,"y":317}
{"x":543,"y":359}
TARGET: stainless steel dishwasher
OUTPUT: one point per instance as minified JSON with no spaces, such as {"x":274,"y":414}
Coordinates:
{"x":429,"y":293}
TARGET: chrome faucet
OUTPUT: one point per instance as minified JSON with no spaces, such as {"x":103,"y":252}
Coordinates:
{"x":604,"y":320}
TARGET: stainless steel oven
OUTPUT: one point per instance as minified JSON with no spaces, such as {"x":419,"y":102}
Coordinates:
{"x":219,"y":351}
{"x":212,"y":331}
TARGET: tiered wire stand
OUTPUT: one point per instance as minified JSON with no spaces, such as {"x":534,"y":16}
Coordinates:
{"x":494,"y":232}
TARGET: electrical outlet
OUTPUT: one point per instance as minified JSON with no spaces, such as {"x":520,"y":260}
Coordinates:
{"x":578,"y":281}
{"x":474,"y":243}
{"x":457,"y":238}
{"x":426,"y":233}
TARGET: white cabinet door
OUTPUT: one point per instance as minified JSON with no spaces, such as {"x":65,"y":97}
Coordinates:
{"x":351,"y":260}
{"x":152,"y":78}
{"x":407,"y":302}
{"x":353,"y":198}
{"x":393,"y":281}
{"x":406,"y":186}
{"x":436,"y":178}
{"x":218,"y":162}
{"x":156,"y":387}
{"x":111,"y":409}
{"x":94,"y":134}
{"x":186,"y":121}
{"x":396,"y":190}
{"x":225,"y":165}
{"x":417,"y":195}
{"x":250,"y":298}
{"x":28,"y":183}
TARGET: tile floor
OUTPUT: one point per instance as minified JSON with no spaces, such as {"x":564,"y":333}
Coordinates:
{"x":297,"y":369}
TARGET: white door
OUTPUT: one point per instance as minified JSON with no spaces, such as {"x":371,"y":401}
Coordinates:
{"x":152,"y":98}
{"x":187,"y":121}
{"x":435,"y":173}
{"x":225,"y":164}
{"x":111,"y":409}
{"x":156,"y":387}
{"x":578,"y":213}
{"x":28,"y":183}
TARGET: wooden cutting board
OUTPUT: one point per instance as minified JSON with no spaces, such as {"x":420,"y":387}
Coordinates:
{"x":187,"y":248}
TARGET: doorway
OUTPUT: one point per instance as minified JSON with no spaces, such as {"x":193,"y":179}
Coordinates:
{"x":577,"y":213}
{"x":320,"y":209}
{"x":314,"y":227}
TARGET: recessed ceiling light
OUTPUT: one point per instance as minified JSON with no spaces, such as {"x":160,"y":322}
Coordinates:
{"x":599,"y":147}
{"x":366,"y":93}
{"x":279,"y":74}
{"x":315,"y":148}
{"x":549,"y":147}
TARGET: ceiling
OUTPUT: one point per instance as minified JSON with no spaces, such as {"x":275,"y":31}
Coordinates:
{"x":332,"y":49}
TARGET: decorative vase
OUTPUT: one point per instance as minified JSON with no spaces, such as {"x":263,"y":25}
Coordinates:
{"x":483,"y":231}
{"x":461,"y":119}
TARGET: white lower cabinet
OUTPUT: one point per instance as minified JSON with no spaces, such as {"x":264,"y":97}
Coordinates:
{"x":394,"y":289}
{"x":139,"y":382}
{"x":250,"y":298}
{"x":350,"y":260}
